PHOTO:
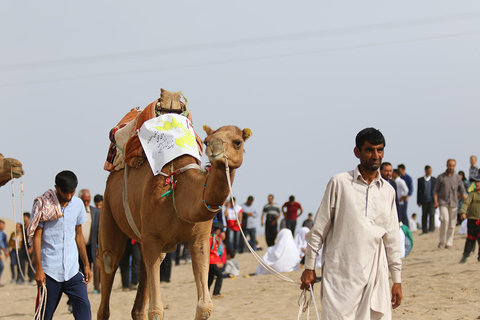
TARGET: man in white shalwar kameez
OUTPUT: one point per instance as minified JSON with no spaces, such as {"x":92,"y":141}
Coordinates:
{"x":358,"y":227}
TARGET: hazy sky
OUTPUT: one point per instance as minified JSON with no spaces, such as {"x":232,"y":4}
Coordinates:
{"x":304,"y":76}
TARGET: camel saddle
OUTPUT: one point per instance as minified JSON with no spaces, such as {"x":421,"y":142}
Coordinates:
{"x":124,"y":136}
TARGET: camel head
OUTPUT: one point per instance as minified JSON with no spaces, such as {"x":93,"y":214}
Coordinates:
{"x":226,"y":141}
{"x":9,"y":167}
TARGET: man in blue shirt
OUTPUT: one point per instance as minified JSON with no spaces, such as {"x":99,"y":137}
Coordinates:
{"x":57,"y":245}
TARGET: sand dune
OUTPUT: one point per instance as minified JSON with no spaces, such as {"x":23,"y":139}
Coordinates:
{"x":435,"y":286}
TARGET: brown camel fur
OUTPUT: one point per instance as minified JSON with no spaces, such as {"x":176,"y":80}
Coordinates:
{"x":9,"y":166}
{"x":160,"y":227}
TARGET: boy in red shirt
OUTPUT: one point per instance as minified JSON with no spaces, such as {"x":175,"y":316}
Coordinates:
{"x":216,"y":261}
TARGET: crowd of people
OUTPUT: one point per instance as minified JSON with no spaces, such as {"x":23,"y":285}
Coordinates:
{"x":456,"y":197}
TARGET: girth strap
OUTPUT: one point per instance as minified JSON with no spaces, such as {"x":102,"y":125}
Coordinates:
{"x":126,"y":206}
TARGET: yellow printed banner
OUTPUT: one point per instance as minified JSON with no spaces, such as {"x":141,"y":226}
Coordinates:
{"x":167,"y":137}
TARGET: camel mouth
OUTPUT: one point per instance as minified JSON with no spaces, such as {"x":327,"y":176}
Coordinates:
{"x":215,"y":157}
{"x":17,"y":172}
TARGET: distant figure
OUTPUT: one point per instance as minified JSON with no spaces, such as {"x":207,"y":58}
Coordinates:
{"x":386,"y":171}
{"x":409,"y":181}
{"x":271,"y":211}
{"x":24,"y":254}
{"x":233,"y":228}
{"x":283,"y":256}
{"x":413,"y":222}
{"x":425,"y":186}
{"x":471,"y":211}
{"x":15,"y":242}
{"x":291,"y":211}
{"x":249,"y":214}
{"x":357,"y":226}
{"x":130,"y":266}
{"x":308,"y":223}
{"x":402,"y":194}
{"x":408,"y":240}
{"x":216,"y":264}
{"x":98,"y":201}
{"x":445,"y":197}
{"x":232,"y":269}
{"x":3,"y":247}
{"x":166,"y":268}
{"x":90,"y":233}
{"x":473,"y":171}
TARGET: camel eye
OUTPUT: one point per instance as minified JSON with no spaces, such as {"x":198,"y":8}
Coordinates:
{"x":237,"y":144}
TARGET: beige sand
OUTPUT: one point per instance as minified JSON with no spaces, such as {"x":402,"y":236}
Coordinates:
{"x":435,"y":286}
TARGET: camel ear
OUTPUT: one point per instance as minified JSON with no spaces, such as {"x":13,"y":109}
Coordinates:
{"x":207,"y":129}
{"x":246,"y":133}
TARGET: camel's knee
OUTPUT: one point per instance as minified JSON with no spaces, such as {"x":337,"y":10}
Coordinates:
{"x":107,"y":262}
{"x":155,"y":315}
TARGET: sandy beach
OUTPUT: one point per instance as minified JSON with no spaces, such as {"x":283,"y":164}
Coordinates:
{"x":435,"y":286}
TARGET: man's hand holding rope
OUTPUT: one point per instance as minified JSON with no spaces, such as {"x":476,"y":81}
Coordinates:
{"x":308,"y":279}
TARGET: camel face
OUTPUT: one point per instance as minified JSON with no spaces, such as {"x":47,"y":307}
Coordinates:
{"x":9,"y":167}
{"x":226,"y":142}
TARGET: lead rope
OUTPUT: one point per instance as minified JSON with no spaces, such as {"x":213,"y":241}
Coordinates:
{"x":303,"y":301}
{"x":15,"y":219}
{"x":23,"y":225}
{"x":41,"y":303}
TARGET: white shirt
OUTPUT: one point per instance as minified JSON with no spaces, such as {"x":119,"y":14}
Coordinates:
{"x":250,"y":220}
{"x":402,"y":189}
{"x":357,"y":225}
{"x":231,"y":213}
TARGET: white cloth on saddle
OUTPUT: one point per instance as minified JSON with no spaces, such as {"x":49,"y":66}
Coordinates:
{"x":167,"y":137}
{"x":283,"y":256}
{"x":46,"y":208}
{"x":121,"y":139}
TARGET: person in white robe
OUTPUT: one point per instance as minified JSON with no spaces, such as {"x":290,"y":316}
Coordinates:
{"x":357,"y":225}
{"x":283,"y":256}
{"x":301,"y":244}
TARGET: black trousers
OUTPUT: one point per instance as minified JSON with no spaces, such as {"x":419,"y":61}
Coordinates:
{"x":131,"y":250}
{"x":215,"y":271}
{"x":76,"y":291}
{"x":428,"y":217}
{"x":166,"y":268}
{"x":473,"y":234}
{"x":270,"y":231}
{"x":291,"y":225}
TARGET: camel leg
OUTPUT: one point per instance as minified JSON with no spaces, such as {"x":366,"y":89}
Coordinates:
{"x":200,"y":253}
{"x":152,"y":259}
{"x":112,"y":243}
{"x":138,"y":310}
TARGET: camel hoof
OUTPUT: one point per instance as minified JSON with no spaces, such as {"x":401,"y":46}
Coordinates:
{"x":205,"y":315}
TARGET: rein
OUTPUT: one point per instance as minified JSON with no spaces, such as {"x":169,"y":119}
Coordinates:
{"x":305,"y":299}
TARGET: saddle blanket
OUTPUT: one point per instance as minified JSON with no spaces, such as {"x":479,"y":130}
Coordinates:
{"x":167,"y":137}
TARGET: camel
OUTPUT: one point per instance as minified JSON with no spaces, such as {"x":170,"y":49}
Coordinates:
{"x":9,"y":167}
{"x":198,"y":197}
